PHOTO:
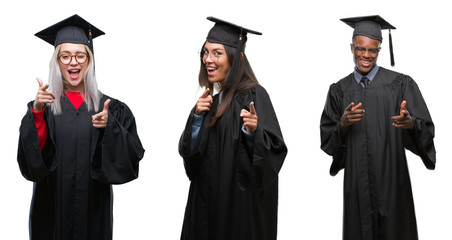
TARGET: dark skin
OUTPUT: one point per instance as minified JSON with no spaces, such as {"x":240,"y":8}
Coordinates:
{"x":364,"y":63}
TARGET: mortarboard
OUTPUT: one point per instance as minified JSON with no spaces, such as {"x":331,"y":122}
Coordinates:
{"x":71,"y":30}
{"x":232,"y":35}
{"x":371,"y":26}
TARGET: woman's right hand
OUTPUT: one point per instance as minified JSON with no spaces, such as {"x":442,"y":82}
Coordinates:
{"x":43,"y":96}
{"x":204,"y":102}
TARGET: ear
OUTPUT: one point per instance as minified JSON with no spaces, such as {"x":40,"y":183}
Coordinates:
{"x":351,"y":47}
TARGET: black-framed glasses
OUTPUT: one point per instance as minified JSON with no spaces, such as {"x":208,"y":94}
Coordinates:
{"x":362,"y":50}
{"x":66,"y":58}
{"x":214,"y":55}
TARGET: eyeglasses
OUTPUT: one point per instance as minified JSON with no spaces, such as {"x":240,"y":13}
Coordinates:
{"x":214,"y":56}
{"x":66,"y":58}
{"x":362,"y":50}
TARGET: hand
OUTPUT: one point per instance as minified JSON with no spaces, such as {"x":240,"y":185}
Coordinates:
{"x":204,"y":102}
{"x":100,"y":119}
{"x":249,"y":119}
{"x":403,"y":120}
{"x":43,"y":96}
{"x":351,"y":115}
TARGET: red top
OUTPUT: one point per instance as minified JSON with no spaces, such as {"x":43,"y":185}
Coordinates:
{"x":76,"y":98}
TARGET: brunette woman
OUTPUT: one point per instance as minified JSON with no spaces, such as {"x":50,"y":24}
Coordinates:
{"x":232,"y":146}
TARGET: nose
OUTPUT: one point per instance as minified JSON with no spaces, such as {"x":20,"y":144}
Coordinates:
{"x":73,"y":61}
{"x":208,"y":58}
{"x":366,"y":53}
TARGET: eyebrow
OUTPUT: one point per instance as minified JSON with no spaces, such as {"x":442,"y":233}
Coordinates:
{"x":75,"y":52}
{"x":215,"y":49}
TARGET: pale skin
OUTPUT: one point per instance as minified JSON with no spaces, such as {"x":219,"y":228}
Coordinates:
{"x":44,"y":96}
{"x":353,"y":114}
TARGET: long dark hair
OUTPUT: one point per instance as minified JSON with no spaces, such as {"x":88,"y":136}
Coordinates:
{"x":245,"y":79}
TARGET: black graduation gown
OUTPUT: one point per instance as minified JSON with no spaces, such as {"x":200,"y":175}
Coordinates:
{"x":72,"y":175}
{"x":378,"y":202}
{"x":233,"y":195}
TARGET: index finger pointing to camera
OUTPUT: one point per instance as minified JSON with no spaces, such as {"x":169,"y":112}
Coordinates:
{"x":350,"y":106}
{"x":205,"y":93}
{"x":106,"y":104}
{"x":252,"y":110}
{"x":357,"y":106}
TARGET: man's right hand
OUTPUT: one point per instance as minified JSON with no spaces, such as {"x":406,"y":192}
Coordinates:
{"x":351,"y":115}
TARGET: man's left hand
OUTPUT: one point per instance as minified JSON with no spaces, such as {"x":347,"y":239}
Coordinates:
{"x":403,"y":120}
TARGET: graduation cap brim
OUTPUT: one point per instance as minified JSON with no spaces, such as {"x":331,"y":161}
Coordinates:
{"x":228,"y":33}
{"x":70,"y":30}
{"x":219,"y":21}
{"x":374,"y":18}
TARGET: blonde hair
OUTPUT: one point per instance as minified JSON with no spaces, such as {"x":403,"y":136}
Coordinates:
{"x":91,"y":93}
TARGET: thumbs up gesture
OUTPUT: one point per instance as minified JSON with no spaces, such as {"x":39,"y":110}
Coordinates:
{"x":100,"y":119}
{"x":249,"y":118}
{"x":43,"y":96}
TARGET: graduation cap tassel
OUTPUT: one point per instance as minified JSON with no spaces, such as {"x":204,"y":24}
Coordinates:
{"x":90,"y":39}
{"x":391,"y":51}
{"x":235,"y":63}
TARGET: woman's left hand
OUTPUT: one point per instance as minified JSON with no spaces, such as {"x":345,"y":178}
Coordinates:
{"x":100,"y":119}
{"x":249,"y":119}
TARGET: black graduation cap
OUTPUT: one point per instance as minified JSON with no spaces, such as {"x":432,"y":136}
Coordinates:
{"x":232,"y":35}
{"x":371,"y":26}
{"x":228,"y":34}
{"x":71,"y":30}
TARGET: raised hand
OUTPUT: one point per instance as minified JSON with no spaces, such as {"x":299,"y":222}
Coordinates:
{"x":204,"y":102}
{"x":403,"y":120}
{"x":352,"y":114}
{"x":100,"y":119}
{"x":43,"y":96}
{"x":249,"y":118}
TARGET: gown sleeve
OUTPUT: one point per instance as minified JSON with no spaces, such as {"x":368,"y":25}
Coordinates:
{"x":41,"y":127}
{"x":190,"y":146}
{"x":257,"y":171}
{"x":419,"y":140}
{"x":119,"y":149}
{"x":35,"y":164}
{"x":330,"y":131}
{"x":196,"y":125}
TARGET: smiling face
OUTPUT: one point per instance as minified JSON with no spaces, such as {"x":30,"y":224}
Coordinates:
{"x":365,"y":61}
{"x":73,"y":72}
{"x":216,"y":62}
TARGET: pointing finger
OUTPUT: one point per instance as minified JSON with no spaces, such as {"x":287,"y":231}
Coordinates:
{"x":349,"y":107}
{"x":39,"y":81}
{"x":206,"y":93}
{"x":357,"y":106}
{"x":106,"y":104}
{"x":252,"y":110}
{"x":402,"y":108}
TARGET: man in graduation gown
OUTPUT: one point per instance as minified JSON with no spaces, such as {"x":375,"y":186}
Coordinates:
{"x":71,"y":159}
{"x":369,"y":118}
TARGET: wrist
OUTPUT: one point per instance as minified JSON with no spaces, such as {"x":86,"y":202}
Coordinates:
{"x":37,"y":109}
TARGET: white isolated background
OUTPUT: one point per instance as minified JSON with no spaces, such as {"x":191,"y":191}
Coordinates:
{"x":149,"y":60}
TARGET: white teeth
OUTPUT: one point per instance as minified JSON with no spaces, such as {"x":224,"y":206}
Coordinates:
{"x":73,"y":71}
{"x":210,"y":69}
